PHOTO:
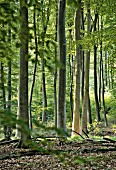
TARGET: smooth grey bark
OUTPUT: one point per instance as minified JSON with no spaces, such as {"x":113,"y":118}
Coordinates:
{"x":76,"y":111}
{"x":61,"y":106}
{"x":71,"y":84}
{"x":71,"y":67}
{"x":35,"y":68}
{"x":23,"y":76}
{"x":103,"y":99}
{"x":86,"y":78}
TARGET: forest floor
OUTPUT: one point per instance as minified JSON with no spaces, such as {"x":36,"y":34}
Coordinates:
{"x":87,"y":154}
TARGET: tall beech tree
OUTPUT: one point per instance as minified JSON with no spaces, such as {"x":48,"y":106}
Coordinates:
{"x":86,"y":77}
{"x":23,"y":76}
{"x":35,"y":66}
{"x":76,"y":112}
{"x":61,"y":106}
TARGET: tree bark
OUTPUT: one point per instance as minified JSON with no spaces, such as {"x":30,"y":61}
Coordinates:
{"x":55,"y":74}
{"x":76,"y":112}
{"x":23,"y":77}
{"x":3,"y":96}
{"x":45,"y":20}
{"x":61,"y":106}
{"x":86,"y":78}
{"x":95,"y":73}
{"x":103,"y":86}
{"x":35,"y":68}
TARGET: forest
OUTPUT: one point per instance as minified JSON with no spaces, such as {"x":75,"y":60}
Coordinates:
{"x":57,"y":84}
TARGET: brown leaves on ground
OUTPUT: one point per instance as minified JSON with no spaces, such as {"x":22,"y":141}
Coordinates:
{"x":60,"y":155}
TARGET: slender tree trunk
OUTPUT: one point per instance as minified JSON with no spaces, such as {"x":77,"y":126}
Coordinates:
{"x":112,"y":73}
{"x":35,"y":68}
{"x":103,"y":100}
{"x":9,"y":129}
{"x":86,"y":78}
{"x":108,"y":72}
{"x":55,"y":75}
{"x":45,"y":20}
{"x":61,"y":106}
{"x":23,"y":79}
{"x":3,"y":96}
{"x":103,"y":87}
{"x":89,"y":112}
{"x":71,"y":72}
{"x":95,"y":73}
{"x":86,"y":94}
{"x":83,"y":63}
{"x":44,"y":93}
{"x":106,"y":77}
{"x":71,"y":84}
{"x":18,"y":132}
{"x":100,"y":70}
{"x":76,"y":112}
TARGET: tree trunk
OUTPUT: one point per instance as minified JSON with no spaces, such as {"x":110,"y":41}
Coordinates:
{"x":76,"y":112}
{"x":103,"y":100}
{"x":82,"y":58}
{"x":35,"y":68}
{"x":95,"y":73}
{"x":103,"y":87}
{"x":55,"y":74}
{"x":61,"y":106}
{"x":23,"y":77}
{"x":44,"y":93}
{"x":106,"y":69}
{"x":9,"y":129}
{"x":3,"y":96}
{"x":45,"y":20}
{"x":86,"y":78}
{"x":89,"y":112}
{"x":71,"y":72}
{"x":71,"y":84}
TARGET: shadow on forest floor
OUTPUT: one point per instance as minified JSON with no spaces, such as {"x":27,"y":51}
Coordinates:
{"x":69,"y":154}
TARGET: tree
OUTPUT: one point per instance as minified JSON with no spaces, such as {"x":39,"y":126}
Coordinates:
{"x":61,"y":110}
{"x":23,"y":77}
{"x":95,"y":71}
{"x":86,"y":77}
{"x":35,"y":67}
{"x":76,"y":112}
{"x":55,"y":72}
{"x":45,"y":20}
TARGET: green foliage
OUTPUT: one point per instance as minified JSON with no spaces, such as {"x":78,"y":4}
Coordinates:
{"x":79,"y":160}
{"x":72,"y":2}
{"x":9,"y":49}
{"x":43,"y":130}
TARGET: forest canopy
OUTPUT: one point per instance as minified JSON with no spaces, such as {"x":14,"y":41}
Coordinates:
{"x":57,"y":66}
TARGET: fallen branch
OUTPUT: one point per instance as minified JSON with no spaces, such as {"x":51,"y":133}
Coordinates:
{"x":85,"y":134}
{"x":8,"y":142}
{"x":96,"y":150}
{"x":32,"y":153}
{"x":78,"y":134}
{"x":110,"y":140}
